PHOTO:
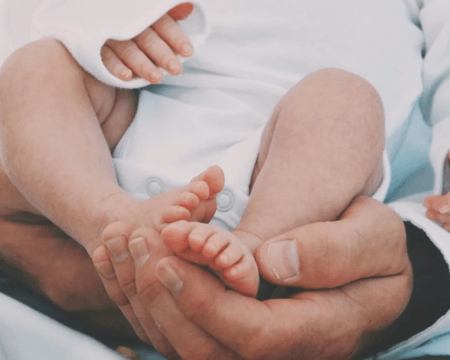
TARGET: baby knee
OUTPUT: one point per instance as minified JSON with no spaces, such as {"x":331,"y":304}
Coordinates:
{"x":347,"y":83}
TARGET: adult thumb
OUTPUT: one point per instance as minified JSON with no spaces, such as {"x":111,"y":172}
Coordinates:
{"x":367,"y":241}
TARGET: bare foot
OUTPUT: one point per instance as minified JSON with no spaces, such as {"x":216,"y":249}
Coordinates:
{"x":222,"y":251}
{"x":194,"y":202}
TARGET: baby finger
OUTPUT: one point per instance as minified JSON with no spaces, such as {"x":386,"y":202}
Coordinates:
{"x":114,"y":65}
{"x":158,"y":51}
{"x":133,"y":57}
{"x":169,"y":30}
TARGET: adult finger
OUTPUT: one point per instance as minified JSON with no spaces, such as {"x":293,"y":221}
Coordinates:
{"x":135,"y":59}
{"x":369,"y":240}
{"x":114,"y":65}
{"x":442,"y":219}
{"x":181,"y":12}
{"x":171,"y":321}
{"x":106,"y":271}
{"x":310,"y":325}
{"x":438,"y":203}
{"x":157,"y":50}
{"x":121,"y":282}
{"x":171,"y":33}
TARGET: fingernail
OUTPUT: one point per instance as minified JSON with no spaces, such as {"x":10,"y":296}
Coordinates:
{"x":169,"y":278}
{"x":118,"y":248}
{"x":187,"y":49}
{"x":139,"y":251}
{"x":106,"y":269}
{"x":156,"y":76}
{"x":174,"y":66}
{"x":126,"y":74}
{"x":283,"y":258}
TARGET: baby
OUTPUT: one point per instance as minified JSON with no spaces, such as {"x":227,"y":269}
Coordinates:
{"x":287,"y":187}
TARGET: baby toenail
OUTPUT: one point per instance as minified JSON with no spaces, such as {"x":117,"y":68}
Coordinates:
{"x":283,"y":258}
{"x":118,"y":248}
{"x":139,"y":251}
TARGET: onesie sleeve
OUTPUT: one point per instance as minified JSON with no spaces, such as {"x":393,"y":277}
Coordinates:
{"x":83,"y":26}
{"x":434,"y":17}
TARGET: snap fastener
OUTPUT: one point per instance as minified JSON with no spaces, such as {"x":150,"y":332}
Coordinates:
{"x":154,"y":187}
{"x":225,"y":201}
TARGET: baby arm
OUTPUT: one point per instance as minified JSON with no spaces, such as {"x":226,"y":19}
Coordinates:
{"x":156,"y":46}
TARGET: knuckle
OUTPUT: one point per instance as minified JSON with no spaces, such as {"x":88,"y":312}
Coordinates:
{"x":129,"y":288}
{"x":165,"y":24}
{"x":107,"y":56}
{"x":333,"y":259}
{"x":118,"y":297}
{"x":149,"y":291}
{"x":128,"y":50}
{"x":147,"y":39}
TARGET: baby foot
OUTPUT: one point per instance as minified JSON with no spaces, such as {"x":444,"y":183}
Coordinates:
{"x":196,"y":201}
{"x":221,"y":250}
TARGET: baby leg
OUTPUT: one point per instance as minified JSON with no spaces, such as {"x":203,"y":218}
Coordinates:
{"x":52,"y":117}
{"x":51,"y":141}
{"x":322,"y":147}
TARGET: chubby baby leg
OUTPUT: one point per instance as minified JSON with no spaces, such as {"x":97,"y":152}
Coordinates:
{"x":322,"y":147}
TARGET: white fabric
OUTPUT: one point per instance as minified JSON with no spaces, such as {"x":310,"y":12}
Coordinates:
{"x":257,"y":51}
{"x":77,"y":24}
{"x":27,"y":334}
{"x":215,"y":111}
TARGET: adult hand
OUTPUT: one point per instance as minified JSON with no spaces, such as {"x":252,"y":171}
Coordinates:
{"x":364,"y":266}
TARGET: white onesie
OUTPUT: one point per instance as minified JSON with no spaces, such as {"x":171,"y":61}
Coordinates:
{"x":214,"y":113}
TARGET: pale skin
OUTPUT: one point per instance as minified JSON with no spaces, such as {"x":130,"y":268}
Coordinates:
{"x":369,"y":281}
{"x":397,"y":270}
{"x":229,"y":254}
{"x":201,"y":320}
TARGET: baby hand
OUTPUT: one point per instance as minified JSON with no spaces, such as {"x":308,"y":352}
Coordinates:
{"x":155,"y":47}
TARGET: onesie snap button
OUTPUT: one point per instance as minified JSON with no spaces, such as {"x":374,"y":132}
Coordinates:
{"x":154,"y":187}
{"x":225,"y":201}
